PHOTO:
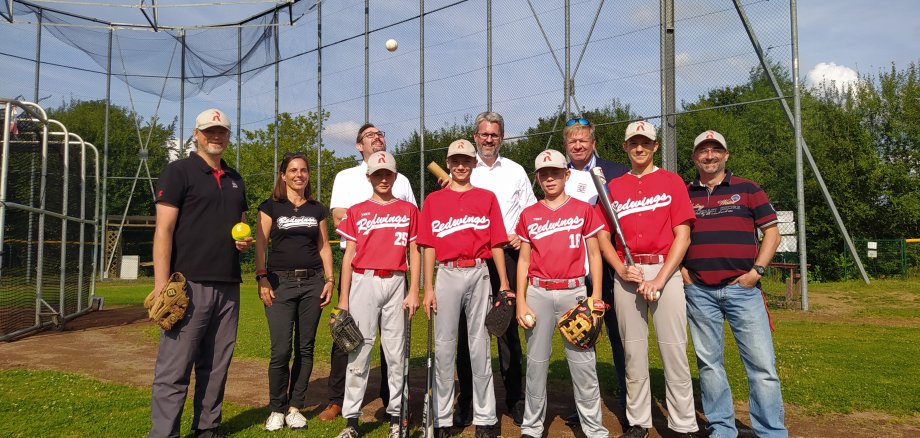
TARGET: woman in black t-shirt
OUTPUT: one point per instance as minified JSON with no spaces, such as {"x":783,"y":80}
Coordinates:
{"x":294,"y":285}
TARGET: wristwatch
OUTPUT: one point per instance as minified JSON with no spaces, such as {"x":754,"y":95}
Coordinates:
{"x":760,"y":270}
{"x":260,"y":276}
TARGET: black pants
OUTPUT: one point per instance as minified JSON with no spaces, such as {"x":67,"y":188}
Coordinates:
{"x":339,"y":363}
{"x":509,"y":347}
{"x":292,"y":320}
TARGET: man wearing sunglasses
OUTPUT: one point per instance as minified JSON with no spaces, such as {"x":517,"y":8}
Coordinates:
{"x":581,"y":150}
{"x":349,"y":188}
{"x":514,"y":191}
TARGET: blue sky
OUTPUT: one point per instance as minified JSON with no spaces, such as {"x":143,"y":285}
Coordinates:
{"x":838,"y":40}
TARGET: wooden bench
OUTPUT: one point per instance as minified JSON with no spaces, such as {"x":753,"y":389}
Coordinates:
{"x":793,"y":286}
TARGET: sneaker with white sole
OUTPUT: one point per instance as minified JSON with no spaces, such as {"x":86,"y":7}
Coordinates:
{"x":274,"y":422}
{"x":295,"y":420}
{"x":394,"y":431}
{"x":348,"y":432}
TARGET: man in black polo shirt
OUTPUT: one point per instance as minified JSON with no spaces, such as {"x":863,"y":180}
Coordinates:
{"x":199,"y":199}
{"x":722,"y":271}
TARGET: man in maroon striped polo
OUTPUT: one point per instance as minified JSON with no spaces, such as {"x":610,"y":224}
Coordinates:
{"x":722,"y":271}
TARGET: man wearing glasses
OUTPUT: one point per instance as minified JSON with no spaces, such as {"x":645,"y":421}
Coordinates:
{"x":349,"y":188}
{"x":581,"y":150}
{"x":511,"y":185}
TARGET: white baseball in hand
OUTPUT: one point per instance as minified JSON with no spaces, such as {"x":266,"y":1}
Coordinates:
{"x":656,"y":295}
{"x":529,"y":320}
{"x":392,"y":45}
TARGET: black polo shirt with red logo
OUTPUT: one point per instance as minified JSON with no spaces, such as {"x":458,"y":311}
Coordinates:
{"x":723,"y":240}
{"x":210,"y":202}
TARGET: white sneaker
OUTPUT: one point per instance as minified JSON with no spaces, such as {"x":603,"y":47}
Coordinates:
{"x":348,"y":432}
{"x":394,"y":431}
{"x":275,"y":422}
{"x":295,"y":420}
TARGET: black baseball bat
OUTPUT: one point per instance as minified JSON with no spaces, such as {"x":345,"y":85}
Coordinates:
{"x":429,"y":402}
{"x":404,"y":404}
{"x":603,"y":196}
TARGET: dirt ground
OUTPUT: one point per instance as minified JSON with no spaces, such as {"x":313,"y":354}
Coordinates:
{"x":110,"y":345}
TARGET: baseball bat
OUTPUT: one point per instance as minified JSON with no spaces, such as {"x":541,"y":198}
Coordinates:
{"x":437,"y":171}
{"x":429,"y":402}
{"x":600,"y":183}
{"x":404,"y":404}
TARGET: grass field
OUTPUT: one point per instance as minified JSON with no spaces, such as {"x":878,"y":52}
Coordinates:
{"x":854,"y":352}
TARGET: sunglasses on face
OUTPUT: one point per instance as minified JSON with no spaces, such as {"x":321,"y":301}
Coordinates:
{"x":380,"y":134}
{"x":579,"y":121}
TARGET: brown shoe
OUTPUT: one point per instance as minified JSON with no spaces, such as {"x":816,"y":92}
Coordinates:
{"x":331,"y":412}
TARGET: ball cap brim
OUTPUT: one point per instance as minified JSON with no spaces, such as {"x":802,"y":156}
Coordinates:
{"x":550,"y":158}
{"x":210,"y":118}
{"x":381,"y":160}
{"x":642,"y":128}
{"x":709,"y":136}
{"x":461,"y":147}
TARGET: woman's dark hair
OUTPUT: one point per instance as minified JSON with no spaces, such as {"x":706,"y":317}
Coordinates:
{"x":280,"y":191}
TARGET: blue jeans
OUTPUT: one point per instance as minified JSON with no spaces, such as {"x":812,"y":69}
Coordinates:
{"x":707,"y":308}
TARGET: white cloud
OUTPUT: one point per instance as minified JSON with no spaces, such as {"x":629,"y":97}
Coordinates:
{"x":340,"y":137}
{"x":839,"y":76}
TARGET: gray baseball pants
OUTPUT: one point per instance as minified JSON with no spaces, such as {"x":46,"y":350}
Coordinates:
{"x":469,"y":289}
{"x":669,"y":313}
{"x":204,"y":339}
{"x":370,"y":300}
{"x":548,"y":306}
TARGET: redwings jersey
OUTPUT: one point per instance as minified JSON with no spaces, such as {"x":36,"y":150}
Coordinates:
{"x":382,"y":232}
{"x":461,"y":225}
{"x":557,"y":238}
{"x":648,"y":209}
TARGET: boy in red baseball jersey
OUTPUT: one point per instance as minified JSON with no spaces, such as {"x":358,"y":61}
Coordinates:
{"x":550,"y":281}
{"x":655,"y":216}
{"x":377,"y":233}
{"x":461,"y":226}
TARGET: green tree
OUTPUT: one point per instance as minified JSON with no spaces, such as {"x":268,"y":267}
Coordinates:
{"x":889,"y":107}
{"x":295,"y":134}
{"x":127,"y":132}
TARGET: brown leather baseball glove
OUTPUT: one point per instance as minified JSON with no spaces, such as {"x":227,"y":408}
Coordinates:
{"x":168,"y":307}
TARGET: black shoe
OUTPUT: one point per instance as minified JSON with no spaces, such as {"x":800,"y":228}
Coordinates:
{"x":486,"y":432}
{"x":442,"y":432}
{"x":214,"y":432}
{"x":572,"y":420}
{"x":463,"y":416}
{"x":529,"y":436}
{"x":635,"y":432}
{"x":690,"y":435}
{"x":517,"y":413}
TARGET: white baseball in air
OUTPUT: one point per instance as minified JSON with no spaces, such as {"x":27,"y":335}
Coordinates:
{"x":529,"y":319}
{"x":392,"y":45}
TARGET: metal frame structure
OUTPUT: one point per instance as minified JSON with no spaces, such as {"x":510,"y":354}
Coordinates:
{"x":45,"y":313}
{"x":569,"y":105}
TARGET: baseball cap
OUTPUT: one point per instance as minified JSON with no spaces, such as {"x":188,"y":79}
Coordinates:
{"x":550,"y":158}
{"x":709,"y":135}
{"x":381,"y":160}
{"x":461,"y":147}
{"x":642,"y":128}
{"x":211,"y":117}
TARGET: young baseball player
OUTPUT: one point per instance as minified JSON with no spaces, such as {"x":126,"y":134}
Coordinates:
{"x":551,"y":280}
{"x":378,"y":232}
{"x":655,"y":216}
{"x":461,"y":226}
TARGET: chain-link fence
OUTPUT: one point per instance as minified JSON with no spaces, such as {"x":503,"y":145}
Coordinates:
{"x":887,"y":258}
